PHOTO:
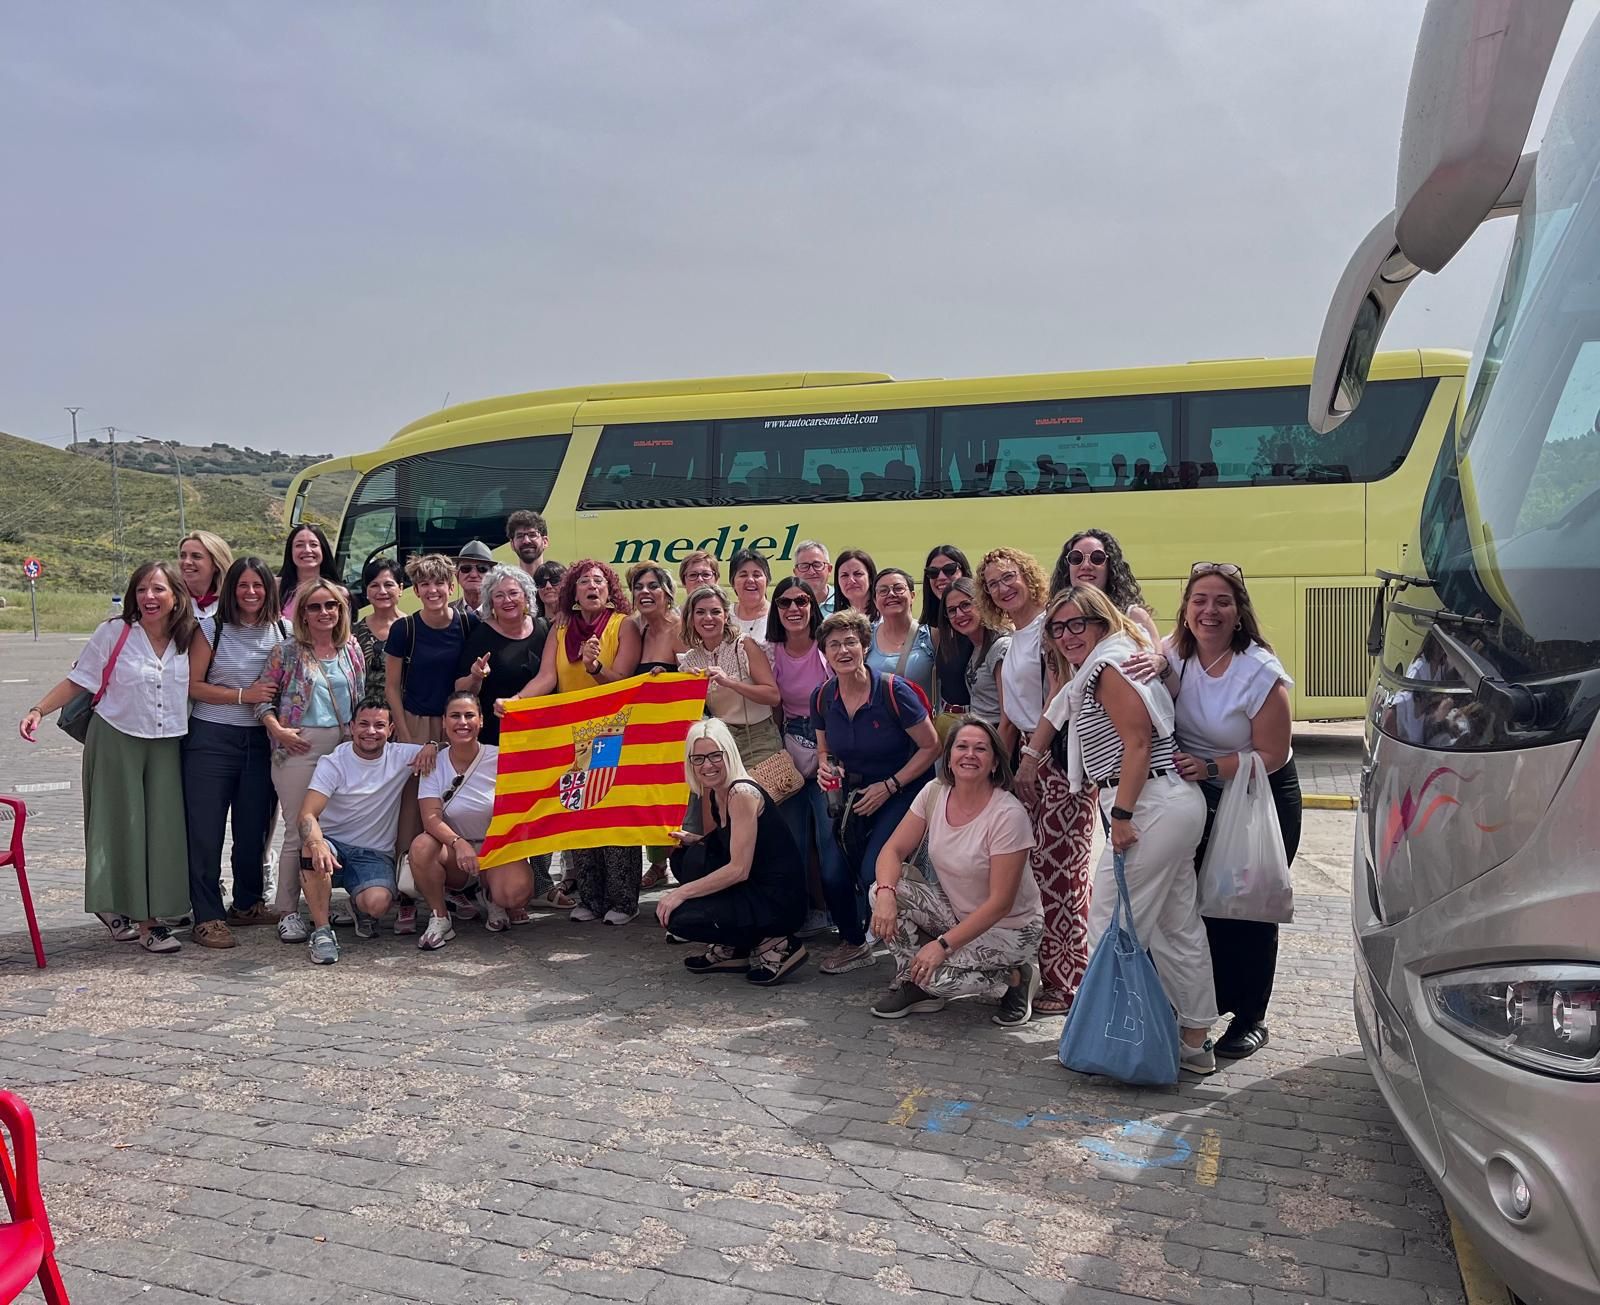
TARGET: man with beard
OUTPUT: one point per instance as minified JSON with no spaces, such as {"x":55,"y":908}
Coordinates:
{"x":528,"y":536}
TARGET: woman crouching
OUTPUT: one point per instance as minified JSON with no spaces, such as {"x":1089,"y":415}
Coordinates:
{"x":741,"y":882}
{"x":978,"y":928}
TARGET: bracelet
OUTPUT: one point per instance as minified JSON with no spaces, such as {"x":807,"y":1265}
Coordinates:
{"x":943,"y":942}
{"x":880,"y":888}
{"x":1031,"y":753}
{"x":239,"y":698}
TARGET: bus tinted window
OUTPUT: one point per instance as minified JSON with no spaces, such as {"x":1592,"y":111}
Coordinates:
{"x":466,"y":493}
{"x":1260,"y":437}
{"x":649,"y":465}
{"x":1055,"y":448}
{"x":827,"y":458}
{"x":370,"y":525}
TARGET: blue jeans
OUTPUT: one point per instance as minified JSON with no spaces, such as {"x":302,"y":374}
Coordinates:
{"x":361,"y":868}
{"x":845,"y":886}
{"x":225,"y":768}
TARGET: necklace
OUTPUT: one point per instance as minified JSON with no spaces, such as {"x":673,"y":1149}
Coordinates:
{"x":1206,"y":670}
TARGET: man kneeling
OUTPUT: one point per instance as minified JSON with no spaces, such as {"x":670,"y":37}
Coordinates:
{"x":349,"y":821}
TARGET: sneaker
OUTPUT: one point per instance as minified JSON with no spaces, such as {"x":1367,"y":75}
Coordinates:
{"x":323,"y":947}
{"x":160,"y":941}
{"x":120,"y":927}
{"x":341,"y":916}
{"x":848,"y":956}
{"x":816,"y":922}
{"x":674,"y":939}
{"x":437,"y":934}
{"x":621,"y":917}
{"x":176,"y":921}
{"x":1199,"y":1060}
{"x":214,"y":933}
{"x":1242,"y":1038}
{"x":260,"y":913}
{"x":718,"y":958}
{"x":461,"y":906}
{"x":1016,"y":1007}
{"x":907,"y":999}
{"x":405,"y":919}
{"x":366,"y":925}
{"x":582,"y":915}
{"x":497,"y":919}
{"x":772,"y":963}
{"x":293,"y":928}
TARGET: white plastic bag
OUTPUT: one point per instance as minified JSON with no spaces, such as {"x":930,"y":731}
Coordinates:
{"x":1245,"y":874}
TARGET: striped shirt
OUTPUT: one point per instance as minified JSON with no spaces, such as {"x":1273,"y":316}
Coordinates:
{"x":237,"y":665}
{"x":1102,"y":745}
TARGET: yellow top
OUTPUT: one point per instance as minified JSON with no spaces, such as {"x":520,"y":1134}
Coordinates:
{"x":574,"y":675}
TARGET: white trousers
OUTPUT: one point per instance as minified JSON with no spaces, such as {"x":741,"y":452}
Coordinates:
{"x":1169,"y":818}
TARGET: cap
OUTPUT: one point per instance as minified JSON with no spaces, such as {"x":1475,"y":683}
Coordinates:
{"x":475,"y":549}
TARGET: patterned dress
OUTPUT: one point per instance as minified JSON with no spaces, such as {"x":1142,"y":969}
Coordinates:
{"x":1063,"y":823}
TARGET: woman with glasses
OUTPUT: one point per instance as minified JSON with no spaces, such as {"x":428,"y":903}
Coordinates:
{"x":741,"y":882}
{"x":1232,"y":696}
{"x":317,"y":675}
{"x":742,"y":692}
{"x":945,"y":564}
{"x":1119,"y":739}
{"x":1014,"y":590}
{"x":1094,"y":557}
{"x":699,"y":568}
{"x":751,"y":573}
{"x":504,"y":649}
{"x":900,"y":643}
{"x":875,"y":750}
{"x":380,"y":581}
{"x":661,"y":640}
{"x":457,"y":801}
{"x":854,"y":575}
{"x":962,"y":621}
{"x":547,"y":577}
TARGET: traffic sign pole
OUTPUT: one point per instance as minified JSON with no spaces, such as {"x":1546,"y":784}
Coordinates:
{"x":32,"y":569}
{"x":33,"y":602}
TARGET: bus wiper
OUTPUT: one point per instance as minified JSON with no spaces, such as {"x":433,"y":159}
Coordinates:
{"x":1439,"y":614}
{"x":1401,"y":581}
{"x":1520,"y":706}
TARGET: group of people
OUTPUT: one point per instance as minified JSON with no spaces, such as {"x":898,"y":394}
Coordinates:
{"x":922,"y":771}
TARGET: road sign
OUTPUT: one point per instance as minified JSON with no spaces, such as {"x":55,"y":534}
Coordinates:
{"x":32,"y":568}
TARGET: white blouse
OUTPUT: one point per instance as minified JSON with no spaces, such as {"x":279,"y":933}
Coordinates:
{"x":1022,"y":677}
{"x":148,"y":696}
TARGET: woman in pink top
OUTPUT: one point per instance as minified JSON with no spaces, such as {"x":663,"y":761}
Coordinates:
{"x":978,"y":928}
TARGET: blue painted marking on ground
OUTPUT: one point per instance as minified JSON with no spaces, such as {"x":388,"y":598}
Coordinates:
{"x":1135,"y":1132}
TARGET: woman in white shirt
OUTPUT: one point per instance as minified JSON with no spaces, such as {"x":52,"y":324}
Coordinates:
{"x":135,"y":844}
{"x":457,"y":802}
{"x":751,"y":573}
{"x":977,"y":930}
{"x":1232,"y":697}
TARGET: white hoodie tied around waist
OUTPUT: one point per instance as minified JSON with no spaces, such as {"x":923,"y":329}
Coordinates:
{"x":1065,"y":706}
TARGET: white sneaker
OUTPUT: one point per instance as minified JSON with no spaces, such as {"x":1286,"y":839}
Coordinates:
{"x":497,"y":919}
{"x":1200,"y":1060}
{"x":582,"y":915}
{"x":159,"y":940}
{"x":293,"y":928}
{"x":620,"y":917}
{"x":437,"y":934}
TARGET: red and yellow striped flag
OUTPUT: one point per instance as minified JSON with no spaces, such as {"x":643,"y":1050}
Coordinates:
{"x":600,"y":767}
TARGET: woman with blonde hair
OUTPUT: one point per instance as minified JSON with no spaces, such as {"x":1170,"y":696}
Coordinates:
{"x":743,"y":692}
{"x":741,"y":883}
{"x":317,"y":676}
{"x":203,"y":559}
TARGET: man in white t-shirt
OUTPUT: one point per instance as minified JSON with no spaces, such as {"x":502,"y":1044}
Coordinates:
{"x":349,"y":821}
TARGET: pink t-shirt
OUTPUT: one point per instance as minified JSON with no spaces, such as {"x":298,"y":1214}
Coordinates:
{"x":798,"y":678}
{"x":960,"y":854}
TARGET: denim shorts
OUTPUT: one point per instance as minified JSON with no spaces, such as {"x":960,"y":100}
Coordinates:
{"x":361,"y":868}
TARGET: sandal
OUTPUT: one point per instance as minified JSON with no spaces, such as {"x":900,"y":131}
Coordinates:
{"x":556,"y":900}
{"x":1051,"y":1002}
{"x":654,"y":877}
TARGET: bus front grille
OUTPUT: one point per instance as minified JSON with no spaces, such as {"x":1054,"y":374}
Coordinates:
{"x":1336,"y":661}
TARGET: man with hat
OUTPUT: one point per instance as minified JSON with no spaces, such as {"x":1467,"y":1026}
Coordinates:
{"x":473,"y":562}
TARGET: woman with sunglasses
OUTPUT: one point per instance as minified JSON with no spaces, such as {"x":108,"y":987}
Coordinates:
{"x":1014,"y":590}
{"x":900,"y":643}
{"x":660,"y":642}
{"x":1094,"y":557}
{"x":854,"y":576}
{"x":985,"y":648}
{"x":457,"y":801}
{"x":1232,"y":696}
{"x":547,"y":578}
{"x":1119,"y":743}
{"x":317,"y":676}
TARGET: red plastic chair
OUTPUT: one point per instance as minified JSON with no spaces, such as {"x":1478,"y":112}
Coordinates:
{"x":27,"y":1250}
{"x":14,"y":813}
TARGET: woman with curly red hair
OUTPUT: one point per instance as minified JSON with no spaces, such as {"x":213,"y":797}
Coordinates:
{"x":592,"y":643}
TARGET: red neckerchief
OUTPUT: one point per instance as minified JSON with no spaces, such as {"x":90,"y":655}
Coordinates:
{"x":579,"y":631}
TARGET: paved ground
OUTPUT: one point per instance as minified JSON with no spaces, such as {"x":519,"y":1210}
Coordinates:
{"x":561,"y":1113}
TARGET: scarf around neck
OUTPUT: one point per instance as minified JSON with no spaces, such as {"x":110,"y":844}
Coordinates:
{"x":579,"y":630}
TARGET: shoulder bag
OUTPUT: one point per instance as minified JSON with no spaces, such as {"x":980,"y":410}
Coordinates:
{"x":74,"y":717}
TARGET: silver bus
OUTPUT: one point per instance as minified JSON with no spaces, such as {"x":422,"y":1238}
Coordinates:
{"x":1476,"y":888}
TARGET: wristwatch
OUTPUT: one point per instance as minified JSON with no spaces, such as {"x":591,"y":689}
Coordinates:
{"x":1211,"y":768}
{"x":1121,"y":813}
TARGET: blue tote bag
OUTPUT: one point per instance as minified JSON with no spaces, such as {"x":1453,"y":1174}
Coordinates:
{"x":1121,"y":1024}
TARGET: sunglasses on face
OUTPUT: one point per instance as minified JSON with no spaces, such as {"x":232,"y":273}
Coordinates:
{"x":700,"y":760}
{"x":950,"y":570}
{"x":1077,"y":557}
{"x":473,"y":568}
{"x":1218,"y":568}
{"x":1072,"y":625}
{"x":794,"y":602}
{"x":313,"y":609}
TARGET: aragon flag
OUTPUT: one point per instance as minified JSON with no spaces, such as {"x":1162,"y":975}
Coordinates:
{"x":600,"y":767}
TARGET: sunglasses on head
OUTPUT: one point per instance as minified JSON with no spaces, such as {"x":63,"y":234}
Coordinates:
{"x":950,"y":570}
{"x":1217,"y":568}
{"x":1076,"y":557}
{"x":790,"y":600}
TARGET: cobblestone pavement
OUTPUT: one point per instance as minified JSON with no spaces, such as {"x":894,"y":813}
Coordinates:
{"x":561,"y":1113}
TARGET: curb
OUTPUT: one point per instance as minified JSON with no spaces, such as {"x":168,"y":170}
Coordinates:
{"x":1328,"y":802}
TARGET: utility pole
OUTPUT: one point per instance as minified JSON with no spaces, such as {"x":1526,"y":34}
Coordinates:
{"x":116,"y":508}
{"x":75,"y":412}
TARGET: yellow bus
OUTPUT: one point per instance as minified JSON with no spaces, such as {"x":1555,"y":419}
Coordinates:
{"x":1203,"y":461}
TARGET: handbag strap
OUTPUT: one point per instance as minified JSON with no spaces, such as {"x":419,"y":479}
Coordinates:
{"x":905,"y":650}
{"x":111,"y":663}
{"x":1124,"y":905}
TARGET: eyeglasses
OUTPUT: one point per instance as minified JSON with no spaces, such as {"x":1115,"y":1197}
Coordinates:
{"x":1217,"y":568}
{"x":794,"y":602}
{"x":1001,"y":581}
{"x":950,"y":570}
{"x":958,"y":609}
{"x":474,"y":568}
{"x":841,"y":643}
{"x":525,"y":534}
{"x":700,"y":760}
{"x":701,"y":578}
{"x":1072,"y":625}
{"x":1076,"y":557}
{"x":313,"y":608}
{"x":894,"y":591}
{"x":810,"y":568}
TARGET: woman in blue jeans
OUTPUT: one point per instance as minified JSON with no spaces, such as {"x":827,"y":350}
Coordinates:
{"x":875,"y":750}
{"x":227,"y":757}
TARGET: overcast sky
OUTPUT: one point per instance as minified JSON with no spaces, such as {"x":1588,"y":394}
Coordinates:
{"x":301,"y":225}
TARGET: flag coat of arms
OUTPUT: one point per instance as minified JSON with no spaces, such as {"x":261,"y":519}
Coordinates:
{"x":600,"y":767}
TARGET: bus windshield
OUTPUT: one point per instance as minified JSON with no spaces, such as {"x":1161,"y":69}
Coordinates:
{"x":1511,"y":519}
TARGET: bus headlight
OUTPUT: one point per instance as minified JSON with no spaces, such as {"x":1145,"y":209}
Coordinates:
{"x":1543,"y":1017}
